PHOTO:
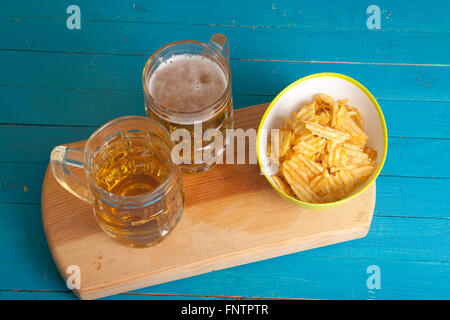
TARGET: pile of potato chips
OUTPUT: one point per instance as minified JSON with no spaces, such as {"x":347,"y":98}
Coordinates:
{"x":322,"y":154}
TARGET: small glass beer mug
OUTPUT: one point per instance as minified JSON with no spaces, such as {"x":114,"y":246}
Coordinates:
{"x":187,"y":88}
{"x":134,"y":187}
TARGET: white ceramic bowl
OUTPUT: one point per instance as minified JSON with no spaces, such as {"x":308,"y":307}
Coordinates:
{"x":302,"y":91}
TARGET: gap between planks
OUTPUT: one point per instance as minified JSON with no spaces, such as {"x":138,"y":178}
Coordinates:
{"x":236,"y":59}
{"x":161,"y":295}
{"x":16,"y":19}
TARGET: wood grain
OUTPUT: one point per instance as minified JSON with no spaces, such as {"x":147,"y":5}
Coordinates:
{"x":226,"y":222}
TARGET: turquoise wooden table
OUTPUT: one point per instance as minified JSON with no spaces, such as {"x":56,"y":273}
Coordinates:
{"x":66,"y":70}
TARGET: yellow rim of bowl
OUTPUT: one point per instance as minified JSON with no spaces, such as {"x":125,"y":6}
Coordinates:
{"x":383,"y":125}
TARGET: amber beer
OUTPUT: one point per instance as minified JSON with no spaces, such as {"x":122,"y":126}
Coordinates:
{"x":133,"y":185}
{"x":131,"y":165}
{"x":187,"y":85}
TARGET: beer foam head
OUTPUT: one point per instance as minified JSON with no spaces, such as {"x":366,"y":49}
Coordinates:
{"x":187,"y":83}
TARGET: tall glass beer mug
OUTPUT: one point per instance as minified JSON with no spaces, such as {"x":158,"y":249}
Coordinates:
{"x":134,"y":188}
{"x":187,"y":88}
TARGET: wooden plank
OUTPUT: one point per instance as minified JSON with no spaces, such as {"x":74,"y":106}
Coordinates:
{"x":21,"y":182}
{"x":23,"y":251}
{"x":406,"y":159}
{"x":123,"y":73}
{"x":313,"y":277}
{"x":271,"y":43}
{"x":394,"y":193}
{"x":413,"y":197}
{"x":68,"y":295}
{"x":401,"y":161}
{"x":23,"y":229}
{"x":299,"y":275}
{"x":405,"y":118}
{"x":396,"y":16}
{"x":36,"y":142}
{"x":19,"y":294}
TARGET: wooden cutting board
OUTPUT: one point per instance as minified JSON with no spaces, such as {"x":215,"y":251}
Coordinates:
{"x":232,"y":217}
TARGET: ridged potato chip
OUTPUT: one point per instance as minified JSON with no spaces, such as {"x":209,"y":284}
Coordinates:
{"x":323,"y":155}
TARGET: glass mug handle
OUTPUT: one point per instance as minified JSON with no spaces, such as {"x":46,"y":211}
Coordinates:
{"x":220,"y":42}
{"x":62,"y":157}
